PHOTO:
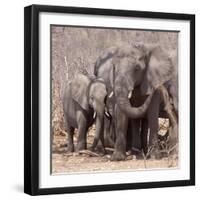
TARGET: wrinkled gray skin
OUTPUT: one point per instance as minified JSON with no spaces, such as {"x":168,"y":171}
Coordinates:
{"x":164,"y":104}
{"x":125,"y":68}
{"x":142,"y":133}
{"x":83,"y":97}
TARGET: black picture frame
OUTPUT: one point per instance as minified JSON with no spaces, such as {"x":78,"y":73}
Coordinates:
{"x":31,"y":98}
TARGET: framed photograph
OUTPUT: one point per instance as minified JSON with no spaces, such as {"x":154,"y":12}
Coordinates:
{"x":109,"y":99}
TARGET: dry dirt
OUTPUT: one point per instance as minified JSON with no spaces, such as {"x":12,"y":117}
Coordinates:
{"x":63,"y":162}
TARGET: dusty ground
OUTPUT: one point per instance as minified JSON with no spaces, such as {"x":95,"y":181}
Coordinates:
{"x":63,"y":162}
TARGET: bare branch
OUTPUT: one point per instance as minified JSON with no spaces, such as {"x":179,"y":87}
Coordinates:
{"x":90,"y":153}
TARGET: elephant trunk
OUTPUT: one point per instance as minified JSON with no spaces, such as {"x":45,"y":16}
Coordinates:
{"x":123,"y":90}
{"x":133,"y":112}
{"x":99,"y":129}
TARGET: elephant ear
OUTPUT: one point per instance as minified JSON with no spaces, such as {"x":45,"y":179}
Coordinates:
{"x":159,"y":69}
{"x":79,"y":90}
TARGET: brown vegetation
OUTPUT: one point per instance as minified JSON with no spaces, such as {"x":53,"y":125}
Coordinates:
{"x":75,"y":49}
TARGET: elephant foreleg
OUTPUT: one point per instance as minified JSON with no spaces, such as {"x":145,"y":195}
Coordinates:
{"x":121,"y":133}
{"x":82,"y":131}
{"x":144,"y":135}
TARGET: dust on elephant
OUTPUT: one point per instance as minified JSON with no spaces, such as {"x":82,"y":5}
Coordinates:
{"x":123,"y":69}
{"x":84,"y":102}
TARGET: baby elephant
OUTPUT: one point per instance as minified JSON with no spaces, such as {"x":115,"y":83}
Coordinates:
{"x":84,"y":102}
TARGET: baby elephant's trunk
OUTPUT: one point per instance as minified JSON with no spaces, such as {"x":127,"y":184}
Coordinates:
{"x":99,"y":130}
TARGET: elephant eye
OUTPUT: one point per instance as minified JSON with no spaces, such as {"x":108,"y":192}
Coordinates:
{"x":92,"y":97}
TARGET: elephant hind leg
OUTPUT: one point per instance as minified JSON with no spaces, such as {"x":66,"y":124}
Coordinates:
{"x":135,"y":128}
{"x":108,"y":132}
{"x":70,"y":134}
{"x":82,"y":132}
{"x":153,"y":127}
{"x":152,"y":132}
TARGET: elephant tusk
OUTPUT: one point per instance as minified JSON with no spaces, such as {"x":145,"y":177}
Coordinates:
{"x":107,"y":114}
{"x":130,"y":94}
{"x":148,"y":136}
{"x":110,"y":95}
{"x":94,"y":115}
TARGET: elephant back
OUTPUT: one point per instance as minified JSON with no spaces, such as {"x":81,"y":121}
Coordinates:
{"x":104,"y":57}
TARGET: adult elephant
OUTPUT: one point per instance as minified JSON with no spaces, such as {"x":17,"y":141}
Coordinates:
{"x":143,"y":132}
{"x":123,"y":69}
{"x":83,"y":102}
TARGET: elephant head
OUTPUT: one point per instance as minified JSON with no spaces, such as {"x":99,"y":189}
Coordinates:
{"x":133,"y":66}
{"x":90,"y":93}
